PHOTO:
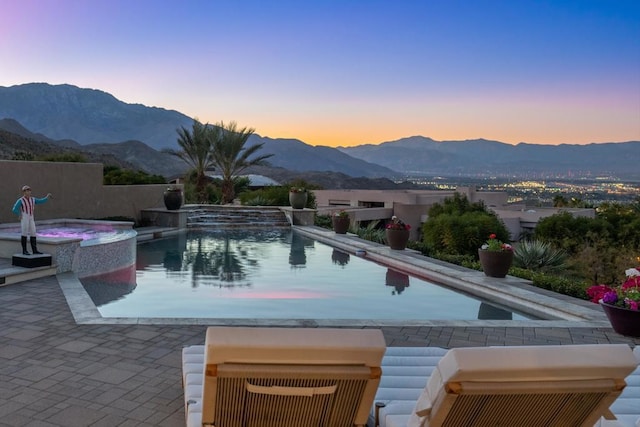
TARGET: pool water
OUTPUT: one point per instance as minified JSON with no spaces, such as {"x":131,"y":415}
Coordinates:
{"x":92,"y":235}
{"x":272,"y":274}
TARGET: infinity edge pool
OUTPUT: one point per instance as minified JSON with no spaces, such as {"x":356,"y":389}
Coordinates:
{"x":511,"y":292}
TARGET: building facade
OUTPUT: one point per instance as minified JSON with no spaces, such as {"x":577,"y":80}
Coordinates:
{"x":412,"y":206}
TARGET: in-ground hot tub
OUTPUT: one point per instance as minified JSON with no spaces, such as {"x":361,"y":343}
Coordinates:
{"x":86,"y":247}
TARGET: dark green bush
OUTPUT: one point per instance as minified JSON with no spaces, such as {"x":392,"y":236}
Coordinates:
{"x":559,"y":284}
{"x":278,"y":195}
{"x":323,"y":221}
{"x":113,"y":175}
{"x":459,"y":227}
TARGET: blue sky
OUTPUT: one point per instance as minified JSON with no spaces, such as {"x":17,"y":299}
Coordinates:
{"x":348,"y":72}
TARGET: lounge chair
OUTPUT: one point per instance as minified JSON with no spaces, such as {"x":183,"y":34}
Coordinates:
{"x":279,"y":377}
{"x":572,"y":385}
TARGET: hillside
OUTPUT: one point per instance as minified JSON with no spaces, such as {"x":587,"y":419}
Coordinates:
{"x":136,"y":155}
{"x":90,"y":117}
{"x":418,"y":155}
{"x":98,"y":122}
{"x":23,"y":143}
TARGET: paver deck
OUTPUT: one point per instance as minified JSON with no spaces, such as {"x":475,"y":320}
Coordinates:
{"x":55,"y":372}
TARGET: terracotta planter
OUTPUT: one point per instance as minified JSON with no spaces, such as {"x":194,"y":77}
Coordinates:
{"x":623,"y":320}
{"x":298,"y":200}
{"x":173,"y":199}
{"x":340,"y":224}
{"x":495,"y":264}
{"x":397,"y":239}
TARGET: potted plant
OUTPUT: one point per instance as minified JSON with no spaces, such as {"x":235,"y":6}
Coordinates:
{"x":621,"y":303}
{"x":397,"y":233}
{"x":340,"y":221}
{"x":298,"y":197}
{"x":173,"y":198}
{"x":495,"y":257}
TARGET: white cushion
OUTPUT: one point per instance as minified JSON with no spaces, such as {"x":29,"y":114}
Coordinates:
{"x":405,"y":371}
{"x":403,"y":368}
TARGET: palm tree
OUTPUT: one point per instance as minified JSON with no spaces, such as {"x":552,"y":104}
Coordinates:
{"x":231,"y":157}
{"x":196,"y":152}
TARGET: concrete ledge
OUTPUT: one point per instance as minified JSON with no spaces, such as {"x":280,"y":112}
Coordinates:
{"x":161,"y":217}
{"x":299,"y":216}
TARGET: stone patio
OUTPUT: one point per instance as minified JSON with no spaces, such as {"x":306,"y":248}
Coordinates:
{"x":56,"y":372}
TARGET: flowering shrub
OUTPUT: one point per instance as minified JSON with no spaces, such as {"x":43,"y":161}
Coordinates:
{"x":397,"y":224}
{"x":341,"y":214}
{"x":495,"y":245}
{"x":297,"y":189}
{"x":626,"y":295}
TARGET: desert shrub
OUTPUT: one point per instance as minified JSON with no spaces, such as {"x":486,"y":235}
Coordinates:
{"x":278,"y":195}
{"x":457,"y":226}
{"x":271,"y":196}
{"x":323,"y":221}
{"x":67,"y":157}
{"x":537,"y":255}
{"x":256,"y":200}
{"x":113,"y":175}
{"x":372,"y":232}
{"x":462,"y":233}
{"x":23,"y":155}
{"x":568,"y":232}
{"x":422,"y":247}
{"x":555,"y":283}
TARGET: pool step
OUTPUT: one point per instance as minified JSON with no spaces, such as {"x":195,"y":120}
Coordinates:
{"x":10,"y":274}
{"x":237,"y":217}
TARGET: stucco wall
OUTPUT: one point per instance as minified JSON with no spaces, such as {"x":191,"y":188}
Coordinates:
{"x":77,"y":191}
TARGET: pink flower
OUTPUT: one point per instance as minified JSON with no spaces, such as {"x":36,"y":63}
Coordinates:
{"x":597,"y":292}
{"x":626,"y":295}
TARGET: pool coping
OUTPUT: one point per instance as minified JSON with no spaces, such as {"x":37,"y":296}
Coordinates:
{"x":510,"y":291}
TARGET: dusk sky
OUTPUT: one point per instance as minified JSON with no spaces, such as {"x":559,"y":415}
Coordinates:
{"x":346,"y":72}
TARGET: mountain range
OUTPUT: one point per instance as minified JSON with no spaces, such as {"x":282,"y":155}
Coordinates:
{"x":96,"y":122}
{"x":418,"y":155}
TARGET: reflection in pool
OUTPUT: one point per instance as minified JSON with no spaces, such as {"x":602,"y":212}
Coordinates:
{"x":274,"y":274}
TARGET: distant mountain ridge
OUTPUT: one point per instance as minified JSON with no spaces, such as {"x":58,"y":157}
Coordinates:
{"x":88,"y":116}
{"x":98,"y":120}
{"x":417,"y":155}
{"x":101,"y":123}
{"x":15,"y":139}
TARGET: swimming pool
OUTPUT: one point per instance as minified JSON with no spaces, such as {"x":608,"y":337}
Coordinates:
{"x":272,"y":274}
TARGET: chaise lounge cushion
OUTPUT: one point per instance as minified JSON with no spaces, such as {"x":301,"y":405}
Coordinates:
{"x":288,"y":361}
{"x":407,"y":369}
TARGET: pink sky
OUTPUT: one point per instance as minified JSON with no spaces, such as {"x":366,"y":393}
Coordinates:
{"x":348,"y":72}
